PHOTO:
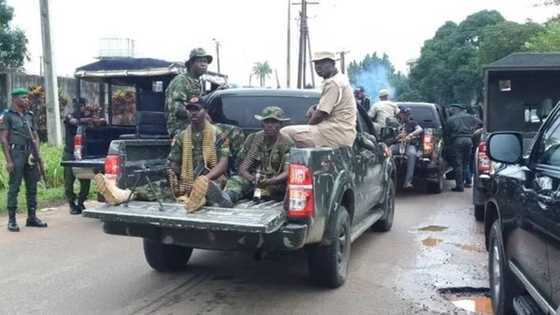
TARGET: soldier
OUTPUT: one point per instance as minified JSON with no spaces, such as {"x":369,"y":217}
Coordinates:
{"x":459,"y":130}
{"x":182,"y":88}
{"x":15,"y":126}
{"x":71,"y":123}
{"x":362,"y":99}
{"x":409,"y":138}
{"x":265,"y":164}
{"x":332,"y":122}
{"x":383,"y":110}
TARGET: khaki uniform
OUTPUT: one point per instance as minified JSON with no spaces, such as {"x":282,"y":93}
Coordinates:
{"x":339,"y":128}
{"x":381,"y":111}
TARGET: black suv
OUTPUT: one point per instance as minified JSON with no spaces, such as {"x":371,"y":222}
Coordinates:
{"x":430,"y":164}
{"x":522,"y":221}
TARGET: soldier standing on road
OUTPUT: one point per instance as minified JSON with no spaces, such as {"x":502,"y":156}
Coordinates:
{"x":15,"y":126}
{"x":71,"y":123}
{"x":332,"y":122}
{"x":182,"y":88}
{"x":267,"y":155}
{"x":383,"y":110}
{"x":459,"y":131}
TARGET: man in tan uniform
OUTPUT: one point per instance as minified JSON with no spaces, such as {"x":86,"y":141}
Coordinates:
{"x":382,"y":110}
{"x":332,"y":122}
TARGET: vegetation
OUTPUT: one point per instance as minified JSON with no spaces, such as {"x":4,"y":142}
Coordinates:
{"x":374,"y":73}
{"x":262,"y":70}
{"x":13,"y":43}
{"x":548,"y":40}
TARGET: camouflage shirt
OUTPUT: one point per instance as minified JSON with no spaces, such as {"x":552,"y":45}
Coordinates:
{"x":181,"y":89}
{"x":270,"y":158}
{"x":236,"y":140}
{"x":16,"y":125}
{"x":221,"y":144}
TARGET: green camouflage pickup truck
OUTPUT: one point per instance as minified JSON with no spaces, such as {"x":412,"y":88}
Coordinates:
{"x":335,"y":195}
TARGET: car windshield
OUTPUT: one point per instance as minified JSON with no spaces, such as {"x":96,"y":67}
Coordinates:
{"x":425,"y":116}
{"x":240,"y":110}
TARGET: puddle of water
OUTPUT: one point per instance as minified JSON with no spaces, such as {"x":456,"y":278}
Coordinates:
{"x":431,"y":242}
{"x":478,"y":304}
{"x":433,"y":228}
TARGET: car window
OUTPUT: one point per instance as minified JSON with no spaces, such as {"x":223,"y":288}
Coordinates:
{"x":548,"y":146}
{"x":240,"y":110}
{"x":427,"y":117}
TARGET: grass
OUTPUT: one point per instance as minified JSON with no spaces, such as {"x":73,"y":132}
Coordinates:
{"x":52,"y":196}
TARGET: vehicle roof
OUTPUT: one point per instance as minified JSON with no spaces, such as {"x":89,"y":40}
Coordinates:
{"x":266,"y":92}
{"x":526,"y":61}
{"x":125,"y":67}
{"x":417,"y":104}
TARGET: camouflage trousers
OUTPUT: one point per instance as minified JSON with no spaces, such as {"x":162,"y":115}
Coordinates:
{"x":158,"y":190}
{"x":244,"y":188}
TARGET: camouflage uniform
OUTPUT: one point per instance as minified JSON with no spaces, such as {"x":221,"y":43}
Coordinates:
{"x":236,"y":145}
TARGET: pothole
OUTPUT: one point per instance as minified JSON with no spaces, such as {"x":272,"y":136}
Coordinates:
{"x":471,"y":299}
{"x":431,"y":242}
{"x":433,"y":228}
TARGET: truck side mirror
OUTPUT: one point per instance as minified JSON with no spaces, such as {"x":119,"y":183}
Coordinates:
{"x":505,"y":147}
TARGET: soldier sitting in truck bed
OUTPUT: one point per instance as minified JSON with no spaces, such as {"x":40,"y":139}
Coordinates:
{"x":263,"y":169}
{"x":199,"y":154}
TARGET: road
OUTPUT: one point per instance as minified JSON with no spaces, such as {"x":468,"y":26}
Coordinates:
{"x":435,"y":247}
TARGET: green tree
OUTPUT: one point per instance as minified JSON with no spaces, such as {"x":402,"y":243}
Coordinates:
{"x":374,"y":73}
{"x":13,"y":43}
{"x":262,"y":70}
{"x":546,"y":41}
{"x":500,"y":40}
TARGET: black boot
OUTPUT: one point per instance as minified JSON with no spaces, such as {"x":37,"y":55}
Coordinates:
{"x":74,"y":208}
{"x":12,"y":224}
{"x":81,"y":205}
{"x":33,"y":221}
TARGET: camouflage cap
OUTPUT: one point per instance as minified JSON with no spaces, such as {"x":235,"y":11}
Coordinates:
{"x":459,"y":106}
{"x":20,"y":92}
{"x":199,"y":53}
{"x":272,"y":112}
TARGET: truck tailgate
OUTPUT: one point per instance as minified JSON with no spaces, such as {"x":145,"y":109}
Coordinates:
{"x":89,"y":163}
{"x":245,"y":217}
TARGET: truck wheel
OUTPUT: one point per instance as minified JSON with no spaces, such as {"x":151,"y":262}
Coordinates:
{"x":166,"y":258}
{"x":502,"y":284}
{"x":436,"y":188}
{"x":328,"y":264}
{"x":479,"y":213}
{"x":386,"y":222}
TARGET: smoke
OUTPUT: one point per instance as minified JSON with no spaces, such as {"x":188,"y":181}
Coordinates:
{"x":374,"y":78}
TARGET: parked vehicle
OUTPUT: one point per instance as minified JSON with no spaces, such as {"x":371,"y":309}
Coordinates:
{"x":130,"y":104}
{"x":430,"y":164}
{"x":335,"y":195}
{"x":522,"y":221}
{"x":520,"y":90}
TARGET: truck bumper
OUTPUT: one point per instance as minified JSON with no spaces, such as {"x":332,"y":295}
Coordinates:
{"x":288,"y":238}
{"x":427,"y":170}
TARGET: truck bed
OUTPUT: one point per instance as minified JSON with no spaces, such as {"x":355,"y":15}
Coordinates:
{"x":246,"y":216}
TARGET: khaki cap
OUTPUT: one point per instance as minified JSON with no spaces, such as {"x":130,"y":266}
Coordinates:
{"x":322,"y":55}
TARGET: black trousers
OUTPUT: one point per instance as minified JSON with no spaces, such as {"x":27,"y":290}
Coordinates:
{"x":69,"y":180}
{"x":461,"y":154}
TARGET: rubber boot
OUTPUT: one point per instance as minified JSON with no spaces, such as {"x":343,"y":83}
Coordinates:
{"x":74,"y":208}
{"x":108,"y":188}
{"x":33,"y":221}
{"x":12,"y":224}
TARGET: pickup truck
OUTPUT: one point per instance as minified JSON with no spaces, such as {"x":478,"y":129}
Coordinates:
{"x":335,"y":195}
{"x":519,"y":92}
{"x":131,"y":97}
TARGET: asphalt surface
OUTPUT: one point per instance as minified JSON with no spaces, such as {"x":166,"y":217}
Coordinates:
{"x":74,"y":268}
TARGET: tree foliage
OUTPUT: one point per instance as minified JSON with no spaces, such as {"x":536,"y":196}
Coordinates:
{"x":374,"y":73}
{"x":547,"y":40}
{"x":262,"y":70}
{"x":13,"y":43}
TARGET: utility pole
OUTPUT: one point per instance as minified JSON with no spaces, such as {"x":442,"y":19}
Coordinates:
{"x":343,"y":60}
{"x":54,"y":131}
{"x":310,"y":63}
{"x":217,"y":54}
{"x":303,"y":38}
{"x":288,"y":43}
{"x":277,"y":79}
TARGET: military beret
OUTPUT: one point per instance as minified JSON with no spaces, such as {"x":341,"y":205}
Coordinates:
{"x":20,"y":92}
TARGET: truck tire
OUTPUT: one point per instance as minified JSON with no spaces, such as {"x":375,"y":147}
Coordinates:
{"x":503,"y":287}
{"x":386,"y":222}
{"x":437,"y":187}
{"x":479,"y":213}
{"x":166,"y":258}
{"x":328,"y":264}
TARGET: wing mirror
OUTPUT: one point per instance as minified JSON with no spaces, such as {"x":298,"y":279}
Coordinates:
{"x":505,"y":147}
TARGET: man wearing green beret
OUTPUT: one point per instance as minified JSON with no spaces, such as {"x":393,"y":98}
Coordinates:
{"x":264,"y":167}
{"x":17,"y":131}
{"x":184,"y":87}
{"x":459,"y":130}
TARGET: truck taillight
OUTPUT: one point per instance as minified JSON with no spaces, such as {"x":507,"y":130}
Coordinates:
{"x":300,"y":191}
{"x":78,"y":147}
{"x":428,"y":142}
{"x":484,"y":163}
{"x":112,"y":165}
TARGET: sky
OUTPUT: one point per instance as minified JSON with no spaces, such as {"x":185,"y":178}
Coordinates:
{"x":249,"y":30}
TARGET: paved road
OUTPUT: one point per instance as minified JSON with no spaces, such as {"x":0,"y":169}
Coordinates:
{"x":73,"y":268}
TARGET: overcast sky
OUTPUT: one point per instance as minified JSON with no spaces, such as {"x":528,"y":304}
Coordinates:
{"x":249,"y":30}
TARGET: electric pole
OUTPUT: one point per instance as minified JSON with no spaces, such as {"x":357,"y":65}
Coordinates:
{"x":288,"y":72}
{"x":54,"y":132}
{"x":343,"y":60}
{"x":303,"y":43}
{"x":217,"y":54}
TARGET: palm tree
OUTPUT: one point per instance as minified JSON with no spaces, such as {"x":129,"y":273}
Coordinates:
{"x":262,"y":70}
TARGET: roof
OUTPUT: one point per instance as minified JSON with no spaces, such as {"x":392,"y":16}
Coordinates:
{"x":527,"y":61}
{"x":266,"y":92}
{"x":123,"y":67}
{"x":416,"y":104}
